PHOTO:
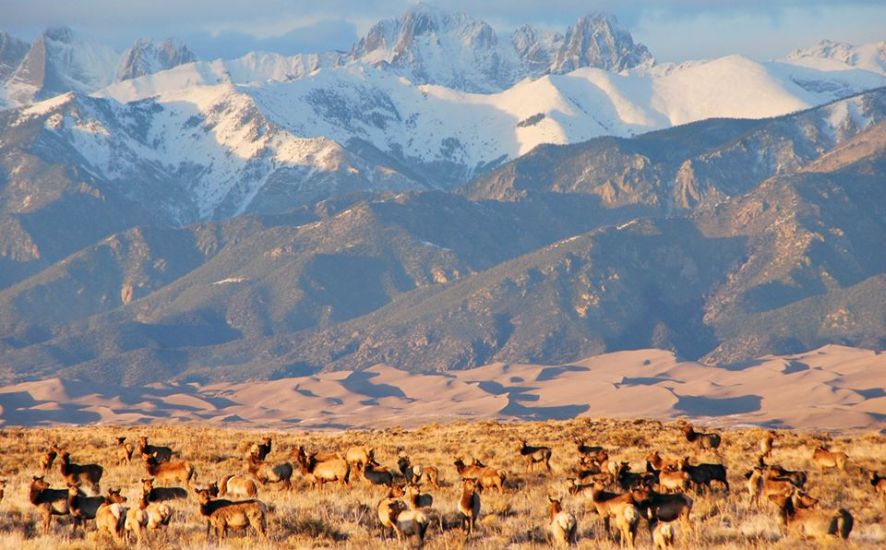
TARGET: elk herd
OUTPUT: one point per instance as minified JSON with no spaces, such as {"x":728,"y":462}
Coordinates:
{"x":661,"y":495}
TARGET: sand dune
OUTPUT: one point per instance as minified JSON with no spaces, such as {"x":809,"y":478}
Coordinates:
{"x":831,"y":387}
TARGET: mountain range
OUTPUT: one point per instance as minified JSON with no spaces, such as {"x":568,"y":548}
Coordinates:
{"x":436,"y":198}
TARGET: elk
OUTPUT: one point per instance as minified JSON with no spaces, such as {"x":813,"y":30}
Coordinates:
{"x":703,"y":474}
{"x":376,"y":474}
{"x":486,"y":477}
{"x":563,"y":526}
{"x":181,"y":470}
{"x":655,"y":463}
{"x":673,"y":481}
{"x":878,"y":481}
{"x":427,"y":473}
{"x":812,"y":522}
{"x":773,"y":471}
{"x":416,"y":499}
{"x":663,"y":536}
{"x":410,"y":519}
{"x":824,"y":458}
{"x":388,"y":508}
{"x":82,"y":507}
{"x":76,"y":474}
{"x":223,"y":514}
{"x":628,"y":480}
{"x":237,"y":486}
{"x":591,"y":452}
{"x":469,"y":504}
{"x":148,"y":516}
{"x":111,"y":515}
{"x":124,"y":451}
{"x":766,"y":443}
{"x":702,"y":440}
{"x":618,"y":507}
{"x":359,"y":457}
{"x":658,"y":508}
{"x":49,"y":502}
{"x":46,"y":460}
{"x":262,"y":449}
{"x":322,"y":468}
{"x":162,"y":454}
{"x":535,"y":455}
{"x":162,"y":494}
{"x":267,"y":473}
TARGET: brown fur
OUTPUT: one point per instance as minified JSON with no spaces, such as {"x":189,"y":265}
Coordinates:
{"x":270,"y":473}
{"x":812,"y":522}
{"x":321,"y":468}
{"x":76,"y":474}
{"x":535,"y":455}
{"x":47,"y":459}
{"x":49,"y":502}
{"x":563,"y":525}
{"x":162,"y":454}
{"x":469,"y":504}
{"x":824,"y":459}
{"x":161,"y":494}
{"x":486,"y":477}
{"x":237,"y":486}
{"x":124,"y":451}
{"x":148,"y":516}
{"x":618,"y":507}
{"x":359,"y":456}
{"x":180,"y":470}
{"x":879,"y":483}
{"x":222,"y":515}
{"x":702,"y":440}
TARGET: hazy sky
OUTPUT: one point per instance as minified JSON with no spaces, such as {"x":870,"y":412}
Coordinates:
{"x":674,"y":30}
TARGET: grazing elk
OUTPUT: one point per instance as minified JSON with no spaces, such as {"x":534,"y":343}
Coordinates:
{"x":180,"y":470}
{"x":703,"y":475}
{"x":237,"y":486}
{"x":77,"y":474}
{"x":812,"y":522}
{"x":49,"y":502}
{"x":270,"y":473}
{"x":469,"y":504}
{"x":124,"y":451}
{"x":262,"y":449}
{"x":162,"y":494}
{"x":111,"y":515}
{"x":533,"y":455}
{"x":620,"y":508}
{"x":162,"y":454}
{"x":486,"y":477}
{"x":147,"y":517}
{"x":222,"y":515}
{"x":359,"y":456}
{"x":824,"y":459}
{"x":563,"y":525}
{"x":704,"y":441}
{"x":322,"y":468}
{"x":47,"y":459}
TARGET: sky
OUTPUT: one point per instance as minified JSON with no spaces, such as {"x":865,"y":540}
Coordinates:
{"x":674,"y":30}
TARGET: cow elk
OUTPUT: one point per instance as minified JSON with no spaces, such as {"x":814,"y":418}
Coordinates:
{"x":812,"y":522}
{"x":487,"y":477}
{"x":270,"y":473}
{"x":162,"y":454}
{"x":533,"y":456}
{"x":81,"y":507}
{"x":618,"y":508}
{"x":77,"y":474}
{"x":825,"y":459}
{"x":124,"y":451}
{"x":162,"y":494}
{"x":323,"y":468}
{"x":704,"y":441}
{"x":237,"y":486}
{"x":222,"y":515}
{"x":47,"y":459}
{"x":469,"y":504}
{"x":49,"y":502}
{"x":181,"y":470}
{"x":563,"y":525}
{"x":703,"y":475}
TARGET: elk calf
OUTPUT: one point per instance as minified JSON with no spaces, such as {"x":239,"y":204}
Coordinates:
{"x":563,"y":525}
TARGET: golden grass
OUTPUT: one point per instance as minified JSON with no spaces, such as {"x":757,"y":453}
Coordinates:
{"x":338,"y":518}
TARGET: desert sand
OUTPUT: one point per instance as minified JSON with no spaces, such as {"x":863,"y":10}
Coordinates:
{"x":833,"y":387}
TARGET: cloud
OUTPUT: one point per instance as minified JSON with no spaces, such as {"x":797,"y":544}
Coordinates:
{"x":323,"y":35}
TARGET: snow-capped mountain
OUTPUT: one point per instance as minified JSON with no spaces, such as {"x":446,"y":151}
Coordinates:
{"x":837,"y":55}
{"x":60,"y":60}
{"x":598,"y":41}
{"x":148,"y":57}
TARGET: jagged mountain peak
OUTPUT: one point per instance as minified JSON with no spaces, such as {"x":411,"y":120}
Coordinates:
{"x":147,"y":56}
{"x":597,"y":40}
{"x":871,"y":57}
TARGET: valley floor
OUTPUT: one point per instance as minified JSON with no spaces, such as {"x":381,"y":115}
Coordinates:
{"x":346,"y":518}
